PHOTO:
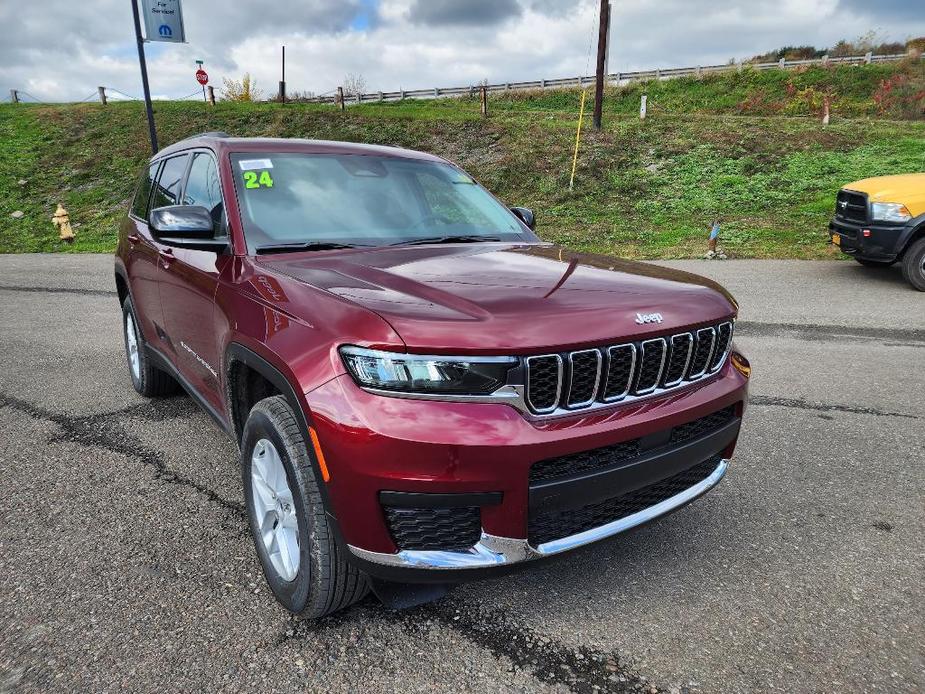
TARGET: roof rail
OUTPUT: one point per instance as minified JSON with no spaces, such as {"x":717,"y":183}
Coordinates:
{"x":213,"y":133}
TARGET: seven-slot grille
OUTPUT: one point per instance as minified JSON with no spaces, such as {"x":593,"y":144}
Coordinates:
{"x":851,"y":206}
{"x":576,"y":380}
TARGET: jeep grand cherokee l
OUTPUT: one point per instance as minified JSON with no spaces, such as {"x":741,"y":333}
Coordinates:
{"x":422,"y":391}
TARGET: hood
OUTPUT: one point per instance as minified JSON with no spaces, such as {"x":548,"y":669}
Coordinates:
{"x":907,"y":189}
{"x":496,"y":298}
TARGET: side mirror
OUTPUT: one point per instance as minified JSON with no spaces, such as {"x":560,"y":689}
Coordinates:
{"x":185,"y":226}
{"x":525,"y":216}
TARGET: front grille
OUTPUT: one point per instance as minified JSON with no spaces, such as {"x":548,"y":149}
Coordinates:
{"x":586,"y":461}
{"x":553,"y":525}
{"x":585,"y":372}
{"x":650,"y":366}
{"x":434,"y":528}
{"x":703,"y":426}
{"x":545,"y":383}
{"x":575,"y":380}
{"x":851,"y":206}
{"x":680,"y":353}
{"x":611,"y":456}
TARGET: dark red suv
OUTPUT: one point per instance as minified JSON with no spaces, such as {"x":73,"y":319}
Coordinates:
{"x":422,"y":391}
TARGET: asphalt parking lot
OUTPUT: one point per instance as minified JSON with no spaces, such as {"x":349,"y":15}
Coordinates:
{"x":125,"y":560}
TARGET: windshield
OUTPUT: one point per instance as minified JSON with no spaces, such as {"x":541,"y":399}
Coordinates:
{"x":362,"y":200}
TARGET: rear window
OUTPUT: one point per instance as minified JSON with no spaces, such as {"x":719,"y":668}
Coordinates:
{"x":143,"y":194}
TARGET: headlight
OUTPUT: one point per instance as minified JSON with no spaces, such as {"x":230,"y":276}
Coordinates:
{"x":890,"y":212}
{"x":412,"y":373}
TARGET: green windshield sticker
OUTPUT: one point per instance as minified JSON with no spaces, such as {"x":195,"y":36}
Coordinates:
{"x":254,"y":180}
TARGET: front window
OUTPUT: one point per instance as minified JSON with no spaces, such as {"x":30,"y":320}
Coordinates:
{"x":362,"y":200}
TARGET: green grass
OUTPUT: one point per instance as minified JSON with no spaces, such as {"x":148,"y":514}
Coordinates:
{"x":643,"y":189}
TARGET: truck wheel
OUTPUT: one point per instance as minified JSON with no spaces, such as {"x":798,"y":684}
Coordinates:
{"x":875,"y":263}
{"x":914,"y":265}
{"x":301,"y":561}
{"x":147,"y":379}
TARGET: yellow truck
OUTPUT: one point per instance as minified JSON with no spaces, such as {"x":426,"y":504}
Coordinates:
{"x":880,"y":221}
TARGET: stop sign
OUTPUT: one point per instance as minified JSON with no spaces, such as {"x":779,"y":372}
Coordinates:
{"x":202,"y":76}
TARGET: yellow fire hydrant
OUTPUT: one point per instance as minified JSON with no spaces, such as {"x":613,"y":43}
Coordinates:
{"x":63,"y":222}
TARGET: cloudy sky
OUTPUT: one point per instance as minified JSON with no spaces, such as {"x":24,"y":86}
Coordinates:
{"x":61,"y":49}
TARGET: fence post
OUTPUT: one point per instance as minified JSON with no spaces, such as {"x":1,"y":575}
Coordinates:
{"x":658,"y":74}
{"x":825,"y":115}
{"x":282,"y":91}
{"x":340,"y":98}
{"x":869,"y":57}
{"x":358,"y":99}
{"x":211,"y":95}
{"x":542,"y":84}
{"x":699,"y":72}
{"x":643,"y":101}
{"x":401,"y":94}
{"x":436,"y":92}
{"x":484,"y":100}
{"x":781,"y":63}
{"x":825,"y":60}
{"x":102,"y":92}
{"x":380,"y":96}
{"x":14,"y":96}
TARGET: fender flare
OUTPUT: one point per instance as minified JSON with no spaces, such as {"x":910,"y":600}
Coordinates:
{"x":913,"y":227}
{"x":236,"y":352}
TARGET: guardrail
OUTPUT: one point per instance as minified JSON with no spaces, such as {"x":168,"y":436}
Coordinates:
{"x":612,"y":78}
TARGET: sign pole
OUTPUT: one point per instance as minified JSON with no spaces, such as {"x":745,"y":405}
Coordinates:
{"x":144,"y":77}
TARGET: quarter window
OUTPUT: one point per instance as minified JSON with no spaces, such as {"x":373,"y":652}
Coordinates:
{"x":203,"y":189}
{"x":143,"y":194}
{"x":167,"y":191}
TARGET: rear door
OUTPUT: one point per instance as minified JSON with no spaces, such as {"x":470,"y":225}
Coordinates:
{"x":141,"y":260}
{"x":189,"y":282}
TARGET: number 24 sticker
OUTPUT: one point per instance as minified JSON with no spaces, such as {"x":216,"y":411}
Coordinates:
{"x":251,"y":179}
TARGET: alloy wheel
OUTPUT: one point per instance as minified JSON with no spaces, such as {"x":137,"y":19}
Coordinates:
{"x":274,"y":510}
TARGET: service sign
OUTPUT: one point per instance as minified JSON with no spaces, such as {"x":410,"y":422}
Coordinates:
{"x":163,"y":20}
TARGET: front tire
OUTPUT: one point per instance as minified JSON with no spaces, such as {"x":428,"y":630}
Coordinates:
{"x":295,"y":542}
{"x":147,"y":379}
{"x":914,"y":265}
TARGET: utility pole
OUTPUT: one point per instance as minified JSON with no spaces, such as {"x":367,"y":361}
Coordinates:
{"x":282,"y":81}
{"x":601,"y":61}
{"x":144,"y":77}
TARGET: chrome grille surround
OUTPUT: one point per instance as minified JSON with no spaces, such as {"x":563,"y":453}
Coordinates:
{"x":649,"y":347}
{"x":596,"y":353}
{"x":528,"y":396}
{"x":701,"y":360}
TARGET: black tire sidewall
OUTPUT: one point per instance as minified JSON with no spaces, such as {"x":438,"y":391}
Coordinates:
{"x":293,"y":595}
{"x":913,"y":270}
{"x":128,"y":309}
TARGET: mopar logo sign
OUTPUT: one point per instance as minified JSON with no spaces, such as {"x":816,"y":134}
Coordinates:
{"x":163,"y":20}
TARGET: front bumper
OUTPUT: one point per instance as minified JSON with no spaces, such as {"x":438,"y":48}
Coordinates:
{"x":375,"y":445}
{"x":878,"y":241}
{"x":492,"y":551}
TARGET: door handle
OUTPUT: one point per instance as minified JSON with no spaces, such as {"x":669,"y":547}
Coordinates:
{"x":167,"y":257}
{"x":133,"y":238}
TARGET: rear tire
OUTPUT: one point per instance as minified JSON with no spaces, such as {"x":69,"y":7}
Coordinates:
{"x":914,"y":264}
{"x":147,"y":379}
{"x":875,"y":263}
{"x":302,"y":563}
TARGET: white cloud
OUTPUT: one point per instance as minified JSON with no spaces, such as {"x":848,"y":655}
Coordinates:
{"x":57,"y":49}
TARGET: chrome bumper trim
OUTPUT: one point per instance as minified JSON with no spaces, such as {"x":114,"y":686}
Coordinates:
{"x":493,"y":550}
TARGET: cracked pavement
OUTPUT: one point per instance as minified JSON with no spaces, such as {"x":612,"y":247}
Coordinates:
{"x":126,"y":562}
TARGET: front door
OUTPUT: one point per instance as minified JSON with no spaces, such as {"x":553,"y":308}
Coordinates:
{"x":189,"y":281}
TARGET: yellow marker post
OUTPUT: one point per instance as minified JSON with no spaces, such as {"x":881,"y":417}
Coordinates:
{"x":581,"y":116}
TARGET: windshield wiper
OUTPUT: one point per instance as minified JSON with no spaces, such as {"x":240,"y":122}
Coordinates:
{"x":303,"y":246}
{"x":470,"y":238}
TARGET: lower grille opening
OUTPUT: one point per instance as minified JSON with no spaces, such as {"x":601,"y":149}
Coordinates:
{"x":553,"y":525}
{"x":434,"y":528}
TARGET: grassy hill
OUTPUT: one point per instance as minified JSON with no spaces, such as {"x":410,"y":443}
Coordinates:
{"x":745,"y":147}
